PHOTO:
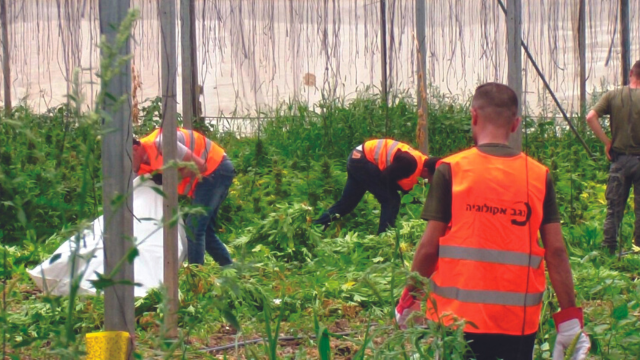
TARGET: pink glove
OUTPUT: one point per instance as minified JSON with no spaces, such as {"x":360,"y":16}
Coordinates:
{"x":407,"y":306}
{"x":569,"y":323}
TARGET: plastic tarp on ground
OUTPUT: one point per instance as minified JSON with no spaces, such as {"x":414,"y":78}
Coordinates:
{"x":53,"y":277}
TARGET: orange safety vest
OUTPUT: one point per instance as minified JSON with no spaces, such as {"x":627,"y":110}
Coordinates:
{"x":490,"y":269}
{"x":381,"y":153}
{"x":206,"y":149}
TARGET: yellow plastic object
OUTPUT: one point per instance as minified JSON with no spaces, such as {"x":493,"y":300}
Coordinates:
{"x":108,"y":345}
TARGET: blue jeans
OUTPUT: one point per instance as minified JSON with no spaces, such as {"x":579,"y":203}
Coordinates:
{"x":201,"y":229}
{"x":363,"y":176}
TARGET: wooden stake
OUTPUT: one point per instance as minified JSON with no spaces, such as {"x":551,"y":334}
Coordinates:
{"x":189,"y":63}
{"x":6,"y":58}
{"x":514,"y":55}
{"x":119,"y":312}
{"x":421,"y":88}
{"x":169,"y":149}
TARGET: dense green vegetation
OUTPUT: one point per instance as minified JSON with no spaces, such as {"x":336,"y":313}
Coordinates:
{"x":289,"y":278}
{"x":333,"y":292}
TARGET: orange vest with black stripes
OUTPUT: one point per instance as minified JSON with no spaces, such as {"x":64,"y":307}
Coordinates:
{"x":490,"y":269}
{"x":381,"y":152}
{"x":207,"y":150}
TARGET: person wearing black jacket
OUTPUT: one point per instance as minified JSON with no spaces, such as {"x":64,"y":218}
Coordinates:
{"x":383,"y":167}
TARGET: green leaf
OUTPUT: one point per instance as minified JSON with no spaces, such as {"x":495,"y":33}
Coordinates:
{"x":231,"y":319}
{"x":324,"y":345}
{"x":620,"y":312}
{"x":159,"y":191}
{"x":22,"y":217}
{"x":133,"y":253}
{"x":104,"y":282}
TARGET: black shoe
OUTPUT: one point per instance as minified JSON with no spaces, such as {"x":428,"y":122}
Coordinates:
{"x":325,"y":226}
{"x":324,"y":220}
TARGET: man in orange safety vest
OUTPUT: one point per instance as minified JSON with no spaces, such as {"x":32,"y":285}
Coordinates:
{"x":382,"y":167}
{"x":208,"y":186}
{"x":486,"y":207}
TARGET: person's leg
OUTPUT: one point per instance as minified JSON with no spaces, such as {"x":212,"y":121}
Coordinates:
{"x":353,"y":192}
{"x":223,"y":178}
{"x":498,"y":346}
{"x":389,"y":209}
{"x":210,"y":193}
{"x":616,"y":194}
{"x":634,"y":171}
{"x":387,"y":196}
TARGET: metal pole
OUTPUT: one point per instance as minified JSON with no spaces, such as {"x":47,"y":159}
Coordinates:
{"x":421,"y":91}
{"x":514,"y":54}
{"x":119,"y":312}
{"x":383,"y":49}
{"x":6,"y":58}
{"x":548,"y":87}
{"x":582,"y":48}
{"x":189,"y":63}
{"x":169,"y":149}
{"x":625,"y":41}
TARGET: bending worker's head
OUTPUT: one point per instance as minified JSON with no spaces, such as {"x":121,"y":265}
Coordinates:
{"x":138,"y":155}
{"x":429,"y":167}
{"x":634,"y":75}
{"x":494,"y":113}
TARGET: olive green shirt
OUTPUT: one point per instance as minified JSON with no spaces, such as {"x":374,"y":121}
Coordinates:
{"x":623,"y":107}
{"x":438,"y":204}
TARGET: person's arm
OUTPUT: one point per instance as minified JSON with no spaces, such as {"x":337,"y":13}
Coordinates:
{"x":437,"y":210}
{"x":426,"y":256}
{"x":601,"y":109}
{"x":184,"y":154}
{"x":558,"y":264}
{"x":594,"y":124}
{"x":189,"y":156}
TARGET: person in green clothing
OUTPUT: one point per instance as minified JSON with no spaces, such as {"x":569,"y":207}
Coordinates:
{"x":623,"y":150}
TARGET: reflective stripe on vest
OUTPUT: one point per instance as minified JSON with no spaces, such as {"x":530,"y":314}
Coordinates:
{"x":492,"y":256}
{"x":390,"y":153}
{"x":490,"y":269}
{"x":487,"y":296}
{"x":198,"y":144}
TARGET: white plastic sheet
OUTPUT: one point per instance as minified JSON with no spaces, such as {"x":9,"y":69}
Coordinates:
{"x":54,"y":277}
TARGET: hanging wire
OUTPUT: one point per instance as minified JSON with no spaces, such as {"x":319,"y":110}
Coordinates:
{"x":251,"y":55}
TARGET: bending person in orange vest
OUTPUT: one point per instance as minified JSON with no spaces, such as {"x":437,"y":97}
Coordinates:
{"x":485,"y":208}
{"x":383,"y":167}
{"x":208,"y":186}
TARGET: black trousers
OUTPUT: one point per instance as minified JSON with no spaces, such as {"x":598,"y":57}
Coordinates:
{"x":363,"y":176}
{"x":498,"y":346}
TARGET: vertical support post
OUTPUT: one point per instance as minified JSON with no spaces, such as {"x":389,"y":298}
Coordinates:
{"x":625,"y":41}
{"x":582,"y":48}
{"x":117,"y":144}
{"x":189,"y":63}
{"x":514,"y":55}
{"x":169,"y":64}
{"x":6,"y":58}
{"x":383,"y":49}
{"x":421,"y":89}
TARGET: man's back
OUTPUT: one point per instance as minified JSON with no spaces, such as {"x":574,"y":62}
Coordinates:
{"x":623,"y":106}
